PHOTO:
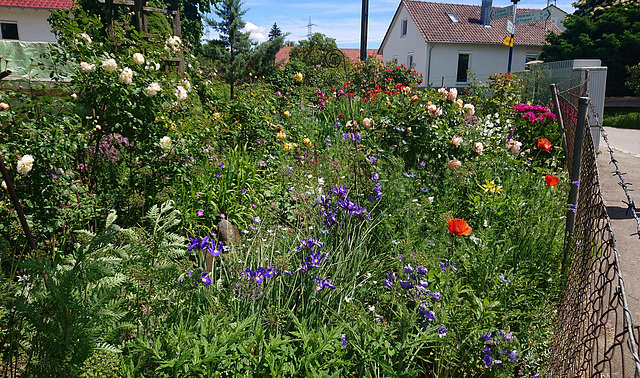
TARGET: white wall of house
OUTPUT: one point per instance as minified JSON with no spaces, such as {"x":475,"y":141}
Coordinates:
{"x":32,"y":23}
{"x":484,"y":61}
{"x":400,"y":47}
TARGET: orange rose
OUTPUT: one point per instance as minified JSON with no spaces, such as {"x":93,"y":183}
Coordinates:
{"x":459,"y":227}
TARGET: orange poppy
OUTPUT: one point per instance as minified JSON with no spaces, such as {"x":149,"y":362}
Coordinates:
{"x":459,"y":227}
{"x":551,"y":180}
{"x":544,"y":144}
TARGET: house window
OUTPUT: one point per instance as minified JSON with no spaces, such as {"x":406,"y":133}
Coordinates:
{"x":8,"y":30}
{"x":404,"y":28}
{"x":394,"y":59}
{"x":410,"y":60}
{"x":530,"y":57}
{"x":464,"y":60}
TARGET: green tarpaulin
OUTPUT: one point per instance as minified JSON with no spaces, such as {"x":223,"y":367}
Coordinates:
{"x":17,"y":57}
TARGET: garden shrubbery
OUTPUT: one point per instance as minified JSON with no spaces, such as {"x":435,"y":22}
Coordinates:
{"x":381,"y":230}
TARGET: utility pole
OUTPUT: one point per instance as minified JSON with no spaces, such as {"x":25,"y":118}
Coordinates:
{"x":364,"y":25}
{"x":513,"y":34}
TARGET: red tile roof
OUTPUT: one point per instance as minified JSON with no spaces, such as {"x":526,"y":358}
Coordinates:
{"x":44,"y":4}
{"x":282,"y":56}
{"x":435,"y":26}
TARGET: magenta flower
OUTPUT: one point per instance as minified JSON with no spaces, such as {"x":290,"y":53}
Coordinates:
{"x":200,"y":213}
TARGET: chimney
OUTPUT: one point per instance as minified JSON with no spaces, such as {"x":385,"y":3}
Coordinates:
{"x":485,"y":13}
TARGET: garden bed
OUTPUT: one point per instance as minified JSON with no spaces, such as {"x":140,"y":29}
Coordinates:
{"x":332,"y":225}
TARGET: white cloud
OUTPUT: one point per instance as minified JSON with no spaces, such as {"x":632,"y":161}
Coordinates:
{"x":258,"y":33}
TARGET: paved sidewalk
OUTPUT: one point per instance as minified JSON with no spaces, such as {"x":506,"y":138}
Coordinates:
{"x":626,"y":150}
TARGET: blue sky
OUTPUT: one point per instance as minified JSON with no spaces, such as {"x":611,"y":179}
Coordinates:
{"x":340,"y":19}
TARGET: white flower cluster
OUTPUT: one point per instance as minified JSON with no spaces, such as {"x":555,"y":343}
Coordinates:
{"x":126,"y":76}
{"x":86,"y":37}
{"x":152,"y":66}
{"x":165,"y":142}
{"x":153,"y":89}
{"x":186,"y":84}
{"x":25,"y":165}
{"x":138,"y":58}
{"x":173,"y":44}
{"x":87,"y":67}
{"x":109,"y":64}
{"x":181,"y":93}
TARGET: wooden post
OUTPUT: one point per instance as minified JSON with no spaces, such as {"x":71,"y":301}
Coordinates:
{"x":177,"y":31}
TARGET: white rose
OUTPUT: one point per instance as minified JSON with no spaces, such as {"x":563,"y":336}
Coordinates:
{"x":25,"y":164}
{"x":173,"y":43}
{"x":86,"y":37}
{"x":181,"y":93}
{"x":4,"y":185}
{"x":87,"y":67}
{"x":126,"y":76}
{"x":151,"y":66}
{"x":165,"y":142}
{"x":478,"y":148}
{"x":138,"y":58}
{"x":186,"y":84}
{"x":109,"y":64}
{"x":153,"y":89}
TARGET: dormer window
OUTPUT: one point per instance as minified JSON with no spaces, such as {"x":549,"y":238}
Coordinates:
{"x":453,"y":17}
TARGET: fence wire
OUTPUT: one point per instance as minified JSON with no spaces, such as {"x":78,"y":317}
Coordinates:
{"x":594,"y":334}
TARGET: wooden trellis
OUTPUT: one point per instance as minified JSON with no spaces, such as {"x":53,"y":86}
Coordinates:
{"x":139,"y":9}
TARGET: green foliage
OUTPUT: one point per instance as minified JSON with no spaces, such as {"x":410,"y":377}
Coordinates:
{"x":236,"y":54}
{"x":633,"y":81}
{"x":275,"y":32}
{"x":605,"y":30}
{"x":623,"y":118}
{"x":311,"y":52}
{"x":341,"y":186}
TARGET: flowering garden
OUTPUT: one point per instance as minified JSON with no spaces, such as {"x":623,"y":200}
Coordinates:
{"x":321,"y":223}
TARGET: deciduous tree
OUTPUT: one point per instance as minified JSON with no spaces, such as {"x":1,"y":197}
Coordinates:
{"x":608,"y":30}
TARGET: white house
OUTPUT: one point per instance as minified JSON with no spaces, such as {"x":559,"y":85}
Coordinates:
{"x":26,"y":20}
{"x":445,"y":41}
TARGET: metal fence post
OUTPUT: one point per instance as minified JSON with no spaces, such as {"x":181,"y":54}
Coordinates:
{"x":556,"y":105}
{"x":572,"y":202}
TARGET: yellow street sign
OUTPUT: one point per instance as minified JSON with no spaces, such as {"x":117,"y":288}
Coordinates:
{"x":508,"y":41}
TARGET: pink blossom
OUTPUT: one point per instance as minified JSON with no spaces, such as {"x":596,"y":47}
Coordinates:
{"x":454,"y":163}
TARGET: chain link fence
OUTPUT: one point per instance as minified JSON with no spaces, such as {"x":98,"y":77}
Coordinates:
{"x":594,"y":335}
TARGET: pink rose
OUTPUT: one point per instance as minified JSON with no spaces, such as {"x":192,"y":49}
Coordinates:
{"x":456,"y":140}
{"x":453,"y":93}
{"x":478,"y":148}
{"x":454,"y":163}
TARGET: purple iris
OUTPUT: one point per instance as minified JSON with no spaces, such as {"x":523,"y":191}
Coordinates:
{"x":205,"y":279}
{"x":323,"y":284}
